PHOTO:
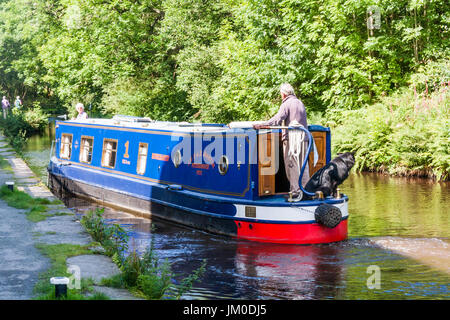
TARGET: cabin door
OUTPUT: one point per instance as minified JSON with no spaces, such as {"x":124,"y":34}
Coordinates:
{"x":267,"y":164}
{"x":321,"y":144}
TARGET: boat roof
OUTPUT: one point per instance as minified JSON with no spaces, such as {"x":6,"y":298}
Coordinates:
{"x":147,"y":123}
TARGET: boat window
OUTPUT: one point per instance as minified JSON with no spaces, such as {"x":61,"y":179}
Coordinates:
{"x":109,"y":153}
{"x":142,"y":158}
{"x":66,"y":146}
{"x":223,"y":165}
{"x":87,"y":144}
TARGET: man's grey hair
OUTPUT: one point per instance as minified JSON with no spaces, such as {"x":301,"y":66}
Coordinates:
{"x":287,"y":89}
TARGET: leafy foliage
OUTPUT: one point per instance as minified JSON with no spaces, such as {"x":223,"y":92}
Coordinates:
{"x":143,"y":273}
{"x":216,"y":60}
{"x":112,"y":236}
{"x":403,"y":134}
{"x":20,"y":124}
{"x":222,"y":60}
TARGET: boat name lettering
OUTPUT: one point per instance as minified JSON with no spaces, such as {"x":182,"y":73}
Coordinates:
{"x":200,"y":166}
{"x":161,"y":157}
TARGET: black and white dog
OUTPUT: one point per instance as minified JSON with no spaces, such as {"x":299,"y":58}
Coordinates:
{"x":327,"y":179}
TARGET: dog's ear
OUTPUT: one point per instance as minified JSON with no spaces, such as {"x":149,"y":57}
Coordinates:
{"x":350,"y":156}
{"x":353,"y":157}
{"x":350,"y":161}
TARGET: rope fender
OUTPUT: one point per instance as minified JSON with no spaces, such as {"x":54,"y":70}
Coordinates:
{"x":328,"y":215}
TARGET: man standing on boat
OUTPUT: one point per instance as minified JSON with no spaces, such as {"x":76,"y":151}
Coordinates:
{"x":291,"y":110}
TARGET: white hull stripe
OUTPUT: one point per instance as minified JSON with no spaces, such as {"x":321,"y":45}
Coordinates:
{"x":286,"y":214}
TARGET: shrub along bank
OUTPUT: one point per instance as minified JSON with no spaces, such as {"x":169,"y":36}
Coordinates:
{"x":20,"y":124}
{"x":143,"y":274}
{"x":406,"y":134}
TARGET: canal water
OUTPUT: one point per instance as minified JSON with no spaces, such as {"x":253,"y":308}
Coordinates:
{"x":398,"y":246}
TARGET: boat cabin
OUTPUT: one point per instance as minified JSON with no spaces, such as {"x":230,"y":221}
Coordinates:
{"x":125,"y":153}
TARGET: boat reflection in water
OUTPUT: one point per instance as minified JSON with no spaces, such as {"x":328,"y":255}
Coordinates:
{"x":299,"y":272}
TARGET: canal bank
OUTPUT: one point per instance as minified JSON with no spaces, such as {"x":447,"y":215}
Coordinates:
{"x":28,"y":238}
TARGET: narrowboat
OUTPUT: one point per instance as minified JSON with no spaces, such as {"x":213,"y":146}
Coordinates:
{"x":223,"y":179}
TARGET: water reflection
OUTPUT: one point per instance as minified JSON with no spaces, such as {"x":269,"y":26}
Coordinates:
{"x":37,"y":151}
{"x":381,"y":205}
{"x":294,"y":272}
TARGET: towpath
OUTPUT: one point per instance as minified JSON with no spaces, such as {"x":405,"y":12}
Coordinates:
{"x":21,"y":262}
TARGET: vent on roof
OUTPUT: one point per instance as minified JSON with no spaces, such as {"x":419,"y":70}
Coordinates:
{"x":120,"y":117}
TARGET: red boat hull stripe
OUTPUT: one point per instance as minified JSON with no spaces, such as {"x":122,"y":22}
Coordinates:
{"x":291,"y":233}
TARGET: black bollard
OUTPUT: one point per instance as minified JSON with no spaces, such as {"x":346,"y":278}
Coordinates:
{"x":10,"y":185}
{"x":61,"y":290}
{"x":60,"y":286}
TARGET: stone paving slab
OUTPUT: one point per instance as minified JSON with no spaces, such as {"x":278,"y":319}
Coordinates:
{"x":89,"y":265}
{"x":20,"y":168}
{"x":32,"y":181}
{"x":7,"y":153}
{"x":52,"y":210}
{"x":116,"y":294}
{"x":38,"y":192}
{"x":61,"y":229}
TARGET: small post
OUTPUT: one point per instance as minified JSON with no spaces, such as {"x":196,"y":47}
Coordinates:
{"x":10,"y":185}
{"x":319,"y":195}
{"x":60,"y":286}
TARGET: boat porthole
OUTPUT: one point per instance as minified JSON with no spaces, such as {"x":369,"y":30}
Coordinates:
{"x":239,"y":225}
{"x":250,"y":226}
{"x":176,"y":158}
{"x":223,"y":165}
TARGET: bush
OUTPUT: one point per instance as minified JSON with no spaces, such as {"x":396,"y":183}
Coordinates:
{"x":36,"y":119}
{"x":20,"y":124}
{"x":112,"y":236}
{"x":432,"y":76}
{"x":404,"y":134}
{"x":144,"y":274}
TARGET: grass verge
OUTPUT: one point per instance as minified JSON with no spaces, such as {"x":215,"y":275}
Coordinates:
{"x":37,"y":207}
{"x":4,"y":164}
{"x":58,"y":254}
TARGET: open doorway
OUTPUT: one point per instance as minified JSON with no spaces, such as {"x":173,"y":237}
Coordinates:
{"x":271,"y":166}
{"x":272,"y":173}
